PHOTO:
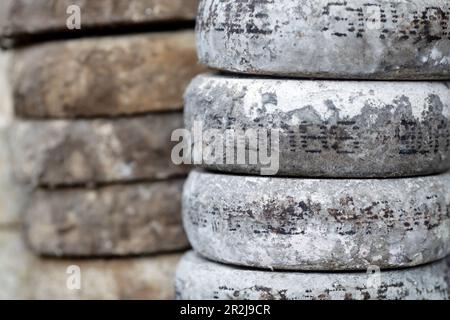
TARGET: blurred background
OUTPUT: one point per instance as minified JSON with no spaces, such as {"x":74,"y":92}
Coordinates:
{"x":90,"y":92}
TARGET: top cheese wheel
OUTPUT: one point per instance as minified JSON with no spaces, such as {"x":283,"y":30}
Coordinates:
{"x":374,"y":39}
{"x":23,"y":18}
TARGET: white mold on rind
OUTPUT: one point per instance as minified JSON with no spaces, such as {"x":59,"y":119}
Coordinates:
{"x":375,"y":39}
{"x":317,"y":224}
{"x":199,"y":279}
{"x":349,"y":129}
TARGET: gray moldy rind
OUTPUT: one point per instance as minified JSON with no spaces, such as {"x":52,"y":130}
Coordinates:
{"x":199,"y":279}
{"x":104,"y":76}
{"x":348,"y":129}
{"x":134,"y":278}
{"x":21,"y":18}
{"x":122,"y":220}
{"x":14,"y":265}
{"x":377,"y":39}
{"x":55,"y":153}
{"x":12,"y":195}
{"x":317,"y":224}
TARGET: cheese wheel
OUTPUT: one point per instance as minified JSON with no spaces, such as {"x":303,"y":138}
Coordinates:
{"x":375,"y":39}
{"x":317,"y":224}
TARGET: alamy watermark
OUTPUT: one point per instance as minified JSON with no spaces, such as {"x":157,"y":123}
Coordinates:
{"x":73,"y":281}
{"x":250,"y":147}
{"x":73,"y":21}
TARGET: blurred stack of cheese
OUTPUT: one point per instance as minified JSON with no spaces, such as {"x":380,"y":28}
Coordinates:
{"x":96,"y":91}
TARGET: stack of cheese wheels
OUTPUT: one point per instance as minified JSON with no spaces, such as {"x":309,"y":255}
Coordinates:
{"x":351,"y":199}
{"x":96,"y":106}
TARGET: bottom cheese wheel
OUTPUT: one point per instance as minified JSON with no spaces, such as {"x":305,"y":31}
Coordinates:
{"x":200,"y":279}
{"x":135,"y":278}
